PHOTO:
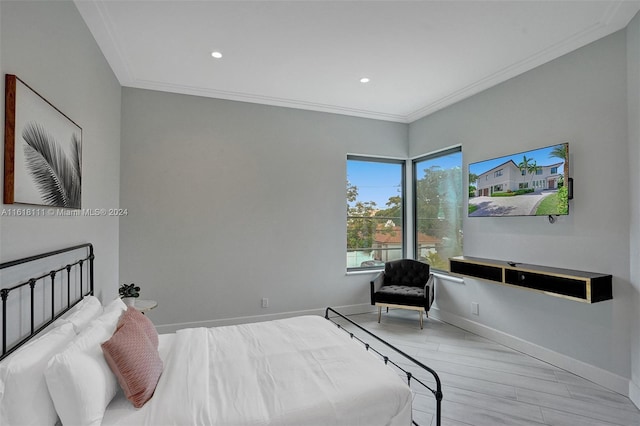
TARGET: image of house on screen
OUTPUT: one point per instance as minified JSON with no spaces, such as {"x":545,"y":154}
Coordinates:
{"x":508,"y":177}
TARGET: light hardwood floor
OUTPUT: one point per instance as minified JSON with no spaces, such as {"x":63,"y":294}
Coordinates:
{"x":485,"y":383}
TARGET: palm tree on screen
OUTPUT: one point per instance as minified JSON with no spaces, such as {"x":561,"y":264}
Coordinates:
{"x":532,"y":169}
{"x":561,"y":151}
{"x":524,"y":166}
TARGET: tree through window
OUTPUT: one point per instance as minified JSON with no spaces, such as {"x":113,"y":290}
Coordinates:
{"x":375,"y":211}
{"x":438,"y":201}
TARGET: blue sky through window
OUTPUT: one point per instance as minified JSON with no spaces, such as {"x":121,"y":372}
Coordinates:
{"x":376,"y":181}
{"x":448,"y":161}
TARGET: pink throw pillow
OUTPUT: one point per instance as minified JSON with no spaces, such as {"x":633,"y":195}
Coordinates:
{"x":135,"y":362}
{"x":132,"y":314}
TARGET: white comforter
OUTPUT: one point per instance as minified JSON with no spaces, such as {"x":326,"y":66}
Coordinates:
{"x":298,"y":371}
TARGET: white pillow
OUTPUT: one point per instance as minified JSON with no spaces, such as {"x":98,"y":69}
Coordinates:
{"x":81,"y":315}
{"x":85,"y":300}
{"x":79,"y":379}
{"x":115,"y":305}
{"x":24,"y":398}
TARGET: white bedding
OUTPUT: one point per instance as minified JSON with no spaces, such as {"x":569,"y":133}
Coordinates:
{"x":297,"y":371}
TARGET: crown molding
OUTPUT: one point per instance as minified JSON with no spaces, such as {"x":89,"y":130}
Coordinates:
{"x":264,"y":100}
{"x":100,"y":25}
{"x":613,"y":19}
{"x":95,"y":15}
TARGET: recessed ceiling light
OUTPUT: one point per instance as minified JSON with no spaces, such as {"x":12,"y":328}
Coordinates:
{"x":364,"y":80}
{"x":216,"y":54}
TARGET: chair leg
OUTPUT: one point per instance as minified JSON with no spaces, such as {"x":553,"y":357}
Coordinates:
{"x":379,"y":313}
{"x":421,"y":321}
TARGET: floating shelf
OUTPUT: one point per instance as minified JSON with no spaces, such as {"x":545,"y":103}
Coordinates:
{"x":588,"y":287}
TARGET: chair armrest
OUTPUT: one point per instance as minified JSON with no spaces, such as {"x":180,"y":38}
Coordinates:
{"x":429,"y":288}
{"x":376,"y":283}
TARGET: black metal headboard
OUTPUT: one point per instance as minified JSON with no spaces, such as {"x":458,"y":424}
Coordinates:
{"x":78,"y":283}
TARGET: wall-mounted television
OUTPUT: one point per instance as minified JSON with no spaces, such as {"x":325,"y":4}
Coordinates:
{"x":530,"y":183}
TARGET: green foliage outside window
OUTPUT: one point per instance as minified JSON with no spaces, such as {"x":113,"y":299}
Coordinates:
{"x":439,"y":212}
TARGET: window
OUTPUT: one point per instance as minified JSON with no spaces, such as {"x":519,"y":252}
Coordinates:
{"x":554,"y":170}
{"x":438,"y":204}
{"x":375,"y":211}
{"x":498,"y":173}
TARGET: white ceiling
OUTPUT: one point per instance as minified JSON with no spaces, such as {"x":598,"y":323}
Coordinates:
{"x":420,"y":55}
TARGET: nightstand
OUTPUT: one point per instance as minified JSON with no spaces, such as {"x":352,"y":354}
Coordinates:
{"x":143,"y":305}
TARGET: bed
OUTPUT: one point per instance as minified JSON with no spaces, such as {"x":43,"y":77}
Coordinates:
{"x":76,"y":357}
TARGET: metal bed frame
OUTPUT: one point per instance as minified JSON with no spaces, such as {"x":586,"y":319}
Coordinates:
{"x":77,"y":264}
{"x":437,"y":392}
{"x":88,"y":256}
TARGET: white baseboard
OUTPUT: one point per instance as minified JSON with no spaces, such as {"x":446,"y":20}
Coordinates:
{"x":345,"y":310}
{"x":634,"y":393}
{"x":590,"y":372}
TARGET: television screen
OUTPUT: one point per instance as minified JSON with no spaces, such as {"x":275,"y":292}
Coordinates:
{"x":531,"y":183}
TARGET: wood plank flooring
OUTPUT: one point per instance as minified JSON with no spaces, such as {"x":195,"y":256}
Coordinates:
{"x":485,"y":383}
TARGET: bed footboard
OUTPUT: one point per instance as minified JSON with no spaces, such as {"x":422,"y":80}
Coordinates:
{"x":411,"y":378}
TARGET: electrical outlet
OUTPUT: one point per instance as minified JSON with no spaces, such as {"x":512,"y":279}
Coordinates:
{"x":265,"y":302}
{"x":475,"y":308}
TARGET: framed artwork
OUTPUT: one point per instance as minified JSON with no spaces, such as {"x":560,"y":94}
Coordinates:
{"x":42,"y":150}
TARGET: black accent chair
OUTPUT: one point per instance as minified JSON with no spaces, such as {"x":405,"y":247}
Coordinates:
{"x":404,"y":283}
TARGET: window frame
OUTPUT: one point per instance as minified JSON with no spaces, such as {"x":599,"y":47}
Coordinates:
{"x":403,"y":187}
{"x":414,"y":195}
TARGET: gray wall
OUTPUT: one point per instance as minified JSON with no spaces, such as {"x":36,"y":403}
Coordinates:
{"x":48,"y":45}
{"x":579,"y":98}
{"x":633,"y":93}
{"x":230,"y":202}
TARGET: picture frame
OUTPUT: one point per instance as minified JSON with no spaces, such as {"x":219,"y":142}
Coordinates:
{"x":42,"y":150}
